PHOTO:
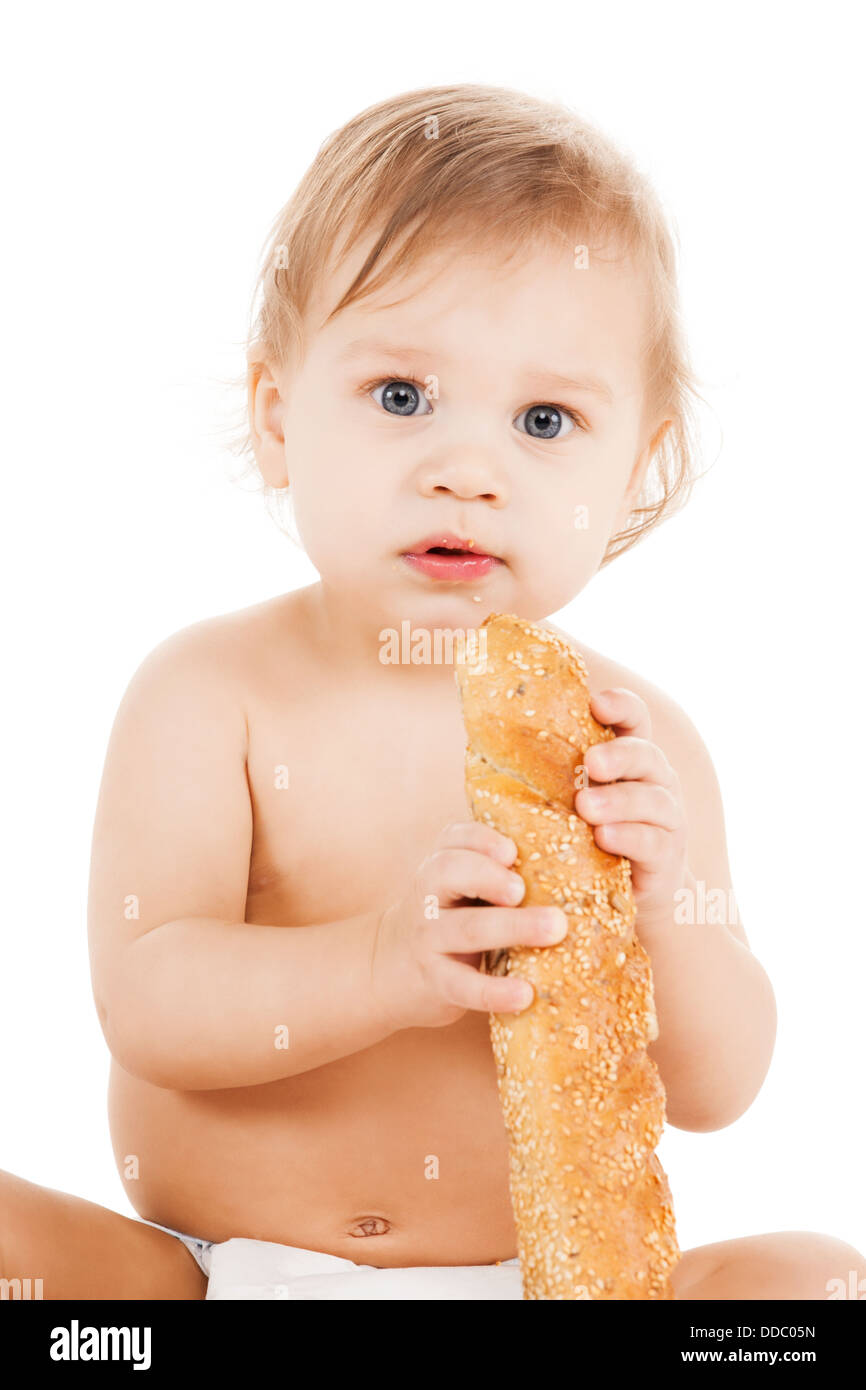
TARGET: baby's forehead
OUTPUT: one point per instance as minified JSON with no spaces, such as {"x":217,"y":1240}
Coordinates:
{"x":559,"y":305}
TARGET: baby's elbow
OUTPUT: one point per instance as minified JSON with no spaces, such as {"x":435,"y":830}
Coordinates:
{"x":739,"y":1073}
{"x":128,"y":1041}
{"x":119,"y":1041}
{"x":115,"y":1039}
{"x":705,"y":1120}
{"x":717,"y":1108}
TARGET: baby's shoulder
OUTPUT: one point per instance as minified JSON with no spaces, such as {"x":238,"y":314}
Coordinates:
{"x":673,"y":730}
{"x":222,"y":659}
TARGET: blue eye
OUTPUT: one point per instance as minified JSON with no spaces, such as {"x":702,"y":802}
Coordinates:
{"x":401,"y":397}
{"x":546,"y":420}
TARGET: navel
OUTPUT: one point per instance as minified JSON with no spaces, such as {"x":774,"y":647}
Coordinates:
{"x":370,"y":1226}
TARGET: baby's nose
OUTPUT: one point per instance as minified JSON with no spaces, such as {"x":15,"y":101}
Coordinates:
{"x":470,"y":478}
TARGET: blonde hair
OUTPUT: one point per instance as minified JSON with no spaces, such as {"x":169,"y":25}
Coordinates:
{"x":493,"y":168}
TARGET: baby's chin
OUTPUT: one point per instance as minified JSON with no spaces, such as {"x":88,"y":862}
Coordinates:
{"x":391,"y":593}
{"x":532,"y":592}
{"x":442,"y":611}
{"x":462,"y":608}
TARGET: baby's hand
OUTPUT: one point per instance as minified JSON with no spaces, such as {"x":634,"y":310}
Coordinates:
{"x":641,"y":816}
{"x":428,"y":945}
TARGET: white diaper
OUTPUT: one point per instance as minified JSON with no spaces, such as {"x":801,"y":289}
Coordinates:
{"x":260,"y":1269}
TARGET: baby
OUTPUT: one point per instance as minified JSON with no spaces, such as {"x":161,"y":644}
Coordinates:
{"x":466,"y":371}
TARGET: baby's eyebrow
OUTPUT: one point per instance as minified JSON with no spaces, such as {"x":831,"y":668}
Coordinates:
{"x":361,"y":347}
{"x":581,"y":381}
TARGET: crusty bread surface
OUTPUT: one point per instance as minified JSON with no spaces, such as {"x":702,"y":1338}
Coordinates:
{"x":582,"y":1102}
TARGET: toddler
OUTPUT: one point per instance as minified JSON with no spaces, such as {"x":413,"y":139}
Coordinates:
{"x":467,"y":375}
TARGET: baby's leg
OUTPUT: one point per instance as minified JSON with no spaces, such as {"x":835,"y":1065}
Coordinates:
{"x":81,"y":1250}
{"x":780,"y":1264}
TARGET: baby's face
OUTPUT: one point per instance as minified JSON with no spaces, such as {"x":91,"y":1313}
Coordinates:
{"x":455,"y":423}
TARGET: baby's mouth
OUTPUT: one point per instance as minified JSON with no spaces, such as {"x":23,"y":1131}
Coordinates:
{"x":445,"y":563}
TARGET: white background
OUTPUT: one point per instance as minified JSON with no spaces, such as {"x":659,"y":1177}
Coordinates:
{"x":147,"y":151}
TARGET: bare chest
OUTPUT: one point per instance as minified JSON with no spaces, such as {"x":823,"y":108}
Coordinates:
{"x":348,"y":795}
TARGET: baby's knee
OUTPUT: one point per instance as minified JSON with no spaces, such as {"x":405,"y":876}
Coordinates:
{"x":813,"y":1265}
{"x":13,"y":1193}
{"x":840,"y":1267}
{"x":777,"y":1264}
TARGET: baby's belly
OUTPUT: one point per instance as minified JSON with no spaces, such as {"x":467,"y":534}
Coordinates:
{"x":393,"y":1156}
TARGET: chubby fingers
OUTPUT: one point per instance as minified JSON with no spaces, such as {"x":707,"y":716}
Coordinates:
{"x":628,"y":757}
{"x":647,"y":846}
{"x":630,"y":801}
{"x":640,"y":818}
{"x":623,"y":710}
{"x":460,"y":935}
{"x":635,"y":802}
{"x":466,"y":931}
{"x":489,"y":994}
{"x":453,"y":875}
{"x":473,"y":834}
{"x":633,"y":782}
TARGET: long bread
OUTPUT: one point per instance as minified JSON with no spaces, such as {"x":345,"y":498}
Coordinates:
{"x":583,"y":1103}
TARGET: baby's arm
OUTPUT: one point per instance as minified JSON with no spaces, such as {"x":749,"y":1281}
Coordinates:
{"x":190,"y":996}
{"x":717,"y":1013}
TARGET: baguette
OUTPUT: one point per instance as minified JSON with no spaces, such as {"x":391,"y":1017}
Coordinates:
{"x":583,"y":1103}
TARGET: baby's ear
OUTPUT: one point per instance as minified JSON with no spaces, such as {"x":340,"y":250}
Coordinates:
{"x":265,"y":408}
{"x":639,"y":471}
{"x":656,"y":441}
